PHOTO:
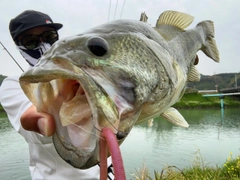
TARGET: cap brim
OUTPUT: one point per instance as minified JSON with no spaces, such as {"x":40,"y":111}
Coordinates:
{"x":55,"y":26}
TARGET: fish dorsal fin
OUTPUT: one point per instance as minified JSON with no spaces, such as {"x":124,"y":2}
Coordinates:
{"x":173,"y":116}
{"x":194,"y":75}
{"x":143,"y":17}
{"x":174,"y":18}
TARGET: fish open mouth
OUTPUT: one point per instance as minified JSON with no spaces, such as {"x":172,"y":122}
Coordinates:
{"x":80,"y":112}
{"x":75,"y":116}
{"x":75,"y":107}
{"x":82,"y":102}
{"x":78,"y":127}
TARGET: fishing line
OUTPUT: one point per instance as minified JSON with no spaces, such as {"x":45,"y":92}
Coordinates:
{"x":99,"y":129}
{"x":109,"y":122}
{"x":110,"y":2}
{"x":79,"y":127}
{"x":95,"y":126}
{"x":53,"y":158}
{"x":120,"y":135}
{"x":118,"y":132}
{"x":122,"y":9}
{"x":115,"y":9}
{"x":11,"y":56}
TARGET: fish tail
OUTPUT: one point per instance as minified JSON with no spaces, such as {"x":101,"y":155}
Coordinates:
{"x":210,"y":47}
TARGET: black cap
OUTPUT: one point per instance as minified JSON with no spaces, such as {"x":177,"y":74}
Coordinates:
{"x":30,"y":19}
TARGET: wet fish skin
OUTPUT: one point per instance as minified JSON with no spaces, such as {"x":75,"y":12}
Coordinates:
{"x":129,"y":72}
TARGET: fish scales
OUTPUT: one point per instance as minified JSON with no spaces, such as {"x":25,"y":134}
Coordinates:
{"x":116,"y":75}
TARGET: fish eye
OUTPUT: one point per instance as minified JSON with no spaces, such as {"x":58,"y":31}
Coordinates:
{"x":97,"y":46}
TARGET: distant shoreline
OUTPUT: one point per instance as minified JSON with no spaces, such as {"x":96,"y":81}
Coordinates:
{"x":195,"y":100}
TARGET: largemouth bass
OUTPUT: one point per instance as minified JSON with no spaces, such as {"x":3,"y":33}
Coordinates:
{"x":116,"y":75}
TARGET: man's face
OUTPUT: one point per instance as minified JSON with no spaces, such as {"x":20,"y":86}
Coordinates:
{"x":31,"y":38}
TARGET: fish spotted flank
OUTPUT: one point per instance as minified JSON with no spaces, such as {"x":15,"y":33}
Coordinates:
{"x":116,"y":75}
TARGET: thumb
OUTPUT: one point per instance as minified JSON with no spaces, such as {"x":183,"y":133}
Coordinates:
{"x":39,"y":122}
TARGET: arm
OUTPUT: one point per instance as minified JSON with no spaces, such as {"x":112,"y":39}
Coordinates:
{"x":21,"y":113}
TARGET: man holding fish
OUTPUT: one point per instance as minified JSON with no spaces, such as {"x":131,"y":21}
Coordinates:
{"x":99,"y":84}
{"x":34,"y":33}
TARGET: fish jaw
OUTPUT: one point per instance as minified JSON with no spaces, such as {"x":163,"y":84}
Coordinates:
{"x":81,"y":109}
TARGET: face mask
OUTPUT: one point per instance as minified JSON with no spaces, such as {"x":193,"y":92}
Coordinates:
{"x":32,"y":56}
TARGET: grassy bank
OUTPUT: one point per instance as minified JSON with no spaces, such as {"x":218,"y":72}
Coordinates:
{"x":195,"y":100}
{"x":230,"y":170}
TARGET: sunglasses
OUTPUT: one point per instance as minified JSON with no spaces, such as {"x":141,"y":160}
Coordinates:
{"x":32,"y":41}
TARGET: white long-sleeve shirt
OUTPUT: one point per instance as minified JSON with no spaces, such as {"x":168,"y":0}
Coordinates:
{"x":45,"y":163}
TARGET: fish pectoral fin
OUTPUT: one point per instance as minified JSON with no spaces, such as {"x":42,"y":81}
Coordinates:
{"x":210,"y":47}
{"x":174,"y":18}
{"x":194,"y":75}
{"x":143,"y":17}
{"x":173,"y":116}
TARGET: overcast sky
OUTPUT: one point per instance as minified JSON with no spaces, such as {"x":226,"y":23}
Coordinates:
{"x":80,"y":15}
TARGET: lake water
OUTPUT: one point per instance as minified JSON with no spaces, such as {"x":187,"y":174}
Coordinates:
{"x":212,"y":132}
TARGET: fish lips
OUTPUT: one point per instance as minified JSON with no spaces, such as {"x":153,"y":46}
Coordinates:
{"x":76,"y":142}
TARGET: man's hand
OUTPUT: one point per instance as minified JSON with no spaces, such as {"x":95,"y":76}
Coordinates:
{"x":42,"y":123}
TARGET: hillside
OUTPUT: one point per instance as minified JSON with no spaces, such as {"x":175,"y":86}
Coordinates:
{"x":226,"y":80}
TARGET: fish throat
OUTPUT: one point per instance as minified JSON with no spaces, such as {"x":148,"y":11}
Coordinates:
{"x":76,"y":116}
